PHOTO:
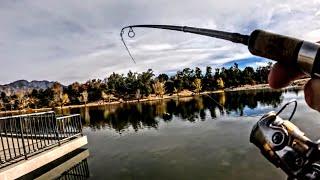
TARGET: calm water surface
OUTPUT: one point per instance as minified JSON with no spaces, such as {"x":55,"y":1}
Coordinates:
{"x":189,"y":138}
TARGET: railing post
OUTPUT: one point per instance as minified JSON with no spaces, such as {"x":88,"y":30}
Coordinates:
{"x":80,"y":125}
{"x":55,"y":119}
{"x":22,"y":138}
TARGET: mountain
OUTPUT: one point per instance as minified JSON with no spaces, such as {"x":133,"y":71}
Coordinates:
{"x":24,"y":85}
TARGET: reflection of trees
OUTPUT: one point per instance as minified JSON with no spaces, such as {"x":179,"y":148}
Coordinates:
{"x":146,"y":114}
{"x":237,"y":101}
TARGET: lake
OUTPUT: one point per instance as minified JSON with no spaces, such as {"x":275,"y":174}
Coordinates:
{"x":187,"y":138}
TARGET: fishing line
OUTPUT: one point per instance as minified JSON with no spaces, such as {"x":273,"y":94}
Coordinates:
{"x":233,"y":37}
{"x":221,"y":106}
{"x":285,"y":106}
{"x":131,"y":34}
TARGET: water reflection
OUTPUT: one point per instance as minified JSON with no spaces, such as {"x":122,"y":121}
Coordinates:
{"x":71,"y":166}
{"x":147,"y":114}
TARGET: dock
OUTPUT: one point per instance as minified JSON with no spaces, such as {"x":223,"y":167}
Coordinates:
{"x":29,"y":142}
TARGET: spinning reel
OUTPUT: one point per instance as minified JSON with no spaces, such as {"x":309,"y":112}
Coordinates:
{"x":286,"y":146}
{"x":279,"y":140}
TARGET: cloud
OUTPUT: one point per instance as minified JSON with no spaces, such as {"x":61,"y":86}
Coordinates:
{"x":75,"y":41}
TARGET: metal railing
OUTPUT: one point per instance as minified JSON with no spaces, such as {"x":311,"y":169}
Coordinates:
{"x":79,"y":171}
{"x":25,"y":135}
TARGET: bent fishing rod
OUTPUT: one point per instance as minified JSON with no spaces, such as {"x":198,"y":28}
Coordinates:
{"x":279,"y":140}
{"x":283,"y":49}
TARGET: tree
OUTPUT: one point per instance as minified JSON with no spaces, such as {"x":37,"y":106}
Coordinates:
{"x":136,"y":85}
{"x":220,"y":83}
{"x":73,"y":91}
{"x":169,"y":86}
{"x":178,"y":85}
{"x":65,"y":100}
{"x":58,"y":94}
{"x":106,"y":97}
{"x":2,"y":105}
{"x":94,"y":89}
{"x":12,"y":102}
{"x":144,"y":82}
{"x":22,"y":101}
{"x":116,"y":84}
{"x":158,"y":88}
{"x":84,"y":97}
{"x":247,"y":76}
{"x":163,"y":77}
{"x":46,"y":97}
{"x":197,"y":85}
{"x":198,"y":73}
{"x":61,"y":100}
{"x":33,"y":102}
{"x":138,"y":94}
{"x":208,"y":72}
{"x":131,"y":83}
{"x":208,"y":82}
{"x":187,"y":77}
{"x":3,"y":96}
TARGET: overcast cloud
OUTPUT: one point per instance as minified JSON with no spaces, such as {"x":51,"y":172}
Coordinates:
{"x":77,"y":40}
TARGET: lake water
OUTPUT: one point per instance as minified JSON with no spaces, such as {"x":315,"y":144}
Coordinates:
{"x":189,"y":138}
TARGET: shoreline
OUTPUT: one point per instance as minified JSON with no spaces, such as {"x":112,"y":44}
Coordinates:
{"x":185,"y":93}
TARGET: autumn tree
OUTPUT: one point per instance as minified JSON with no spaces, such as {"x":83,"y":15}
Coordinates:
{"x":22,"y":101}
{"x":136,"y":85}
{"x":197,"y":85}
{"x":83,"y":97}
{"x":220,"y":83}
{"x":158,"y":88}
{"x":65,"y":100}
{"x":106,"y":96}
{"x":60,"y":98}
{"x":2,"y":105}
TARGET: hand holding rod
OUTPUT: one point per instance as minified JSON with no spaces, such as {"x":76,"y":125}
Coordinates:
{"x":283,"y":49}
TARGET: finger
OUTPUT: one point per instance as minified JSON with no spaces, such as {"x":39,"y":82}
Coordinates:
{"x":281,"y":75}
{"x":312,"y":93}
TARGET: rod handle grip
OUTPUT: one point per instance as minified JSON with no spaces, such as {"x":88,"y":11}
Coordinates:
{"x":273,"y":46}
{"x":286,"y":50}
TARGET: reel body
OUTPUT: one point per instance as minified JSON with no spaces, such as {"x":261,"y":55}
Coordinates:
{"x":287,"y":147}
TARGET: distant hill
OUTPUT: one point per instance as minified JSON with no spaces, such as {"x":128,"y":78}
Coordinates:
{"x":24,"y":85}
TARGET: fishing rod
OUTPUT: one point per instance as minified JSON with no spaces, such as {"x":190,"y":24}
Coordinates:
{"x":279,"y":140}
{"x":283,"y":49}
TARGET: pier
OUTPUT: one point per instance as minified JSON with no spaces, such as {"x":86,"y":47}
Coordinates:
{"x":29,"y":142}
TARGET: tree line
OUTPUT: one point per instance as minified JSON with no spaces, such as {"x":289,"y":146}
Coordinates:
{"x":139,"y":116}
{"x":135,"y":86}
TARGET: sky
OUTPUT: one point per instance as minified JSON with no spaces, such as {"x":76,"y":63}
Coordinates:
{"x":77,"y":40}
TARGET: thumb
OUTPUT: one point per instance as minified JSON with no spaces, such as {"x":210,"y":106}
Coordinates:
{"x":312,"y":93}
